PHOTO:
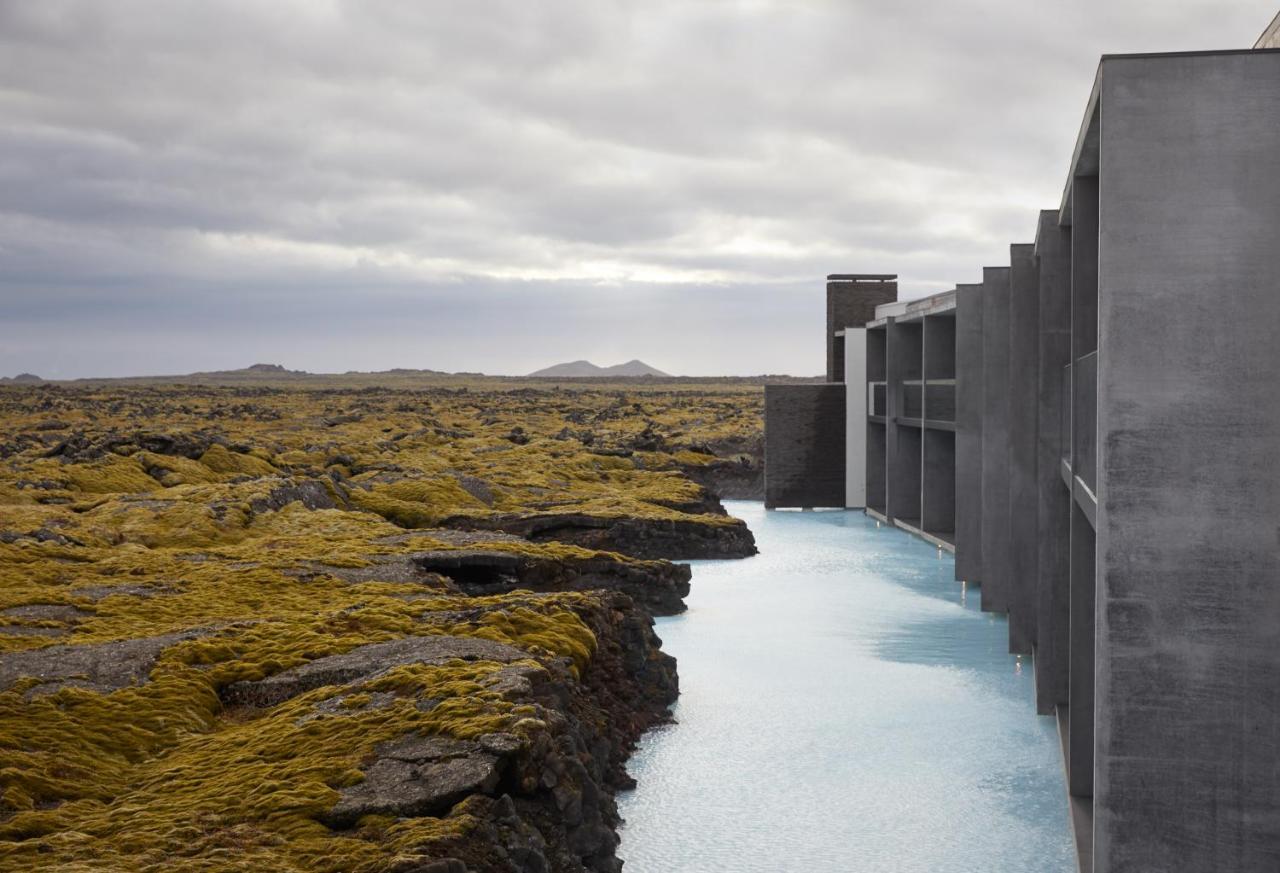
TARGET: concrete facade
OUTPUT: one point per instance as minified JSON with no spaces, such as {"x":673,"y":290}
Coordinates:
{"x":1023,"y":432}
{"x":969,"y":406}
{"x":1053,"y":499}
{"x":911,"y":366}
{"x":1187,"y":768}
{"x":804,"y":445}
{"x":1093,"y":430}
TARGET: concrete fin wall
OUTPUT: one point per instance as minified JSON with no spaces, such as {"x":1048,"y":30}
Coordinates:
{"x":1052,"y":648}
{"x":1188,"y":693}
{"x":995,"y":439}
{"x":804,"y":445}
{"x":969,"y":406}
{"x":1024,"y":360}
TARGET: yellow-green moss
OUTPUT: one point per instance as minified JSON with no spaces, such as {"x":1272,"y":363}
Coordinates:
{"x":221,"y":460}
{"x":159,"y":777}
{"x":110,"y":475}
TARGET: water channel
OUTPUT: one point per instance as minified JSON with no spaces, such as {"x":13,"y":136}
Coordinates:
{"x":845,"y":706}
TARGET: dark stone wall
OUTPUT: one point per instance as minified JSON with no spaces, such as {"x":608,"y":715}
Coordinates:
{"x":852,"y":304}
{"x":804,"y":445}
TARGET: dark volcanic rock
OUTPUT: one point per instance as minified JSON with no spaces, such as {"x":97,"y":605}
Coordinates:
{"x":310,"y":492}
{"x":731,"y":479}
{"x":101,"y":667}
{"x":648,"y":538}
{"x":416,"y":776}
{"x":659,"y":586}
{"x":365,"y":661}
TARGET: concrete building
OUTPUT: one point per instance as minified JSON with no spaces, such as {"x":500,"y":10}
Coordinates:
{"x":806,"y":463}
{"x":1092,"y":429}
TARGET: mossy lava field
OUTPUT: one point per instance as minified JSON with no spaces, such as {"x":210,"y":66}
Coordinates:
{"x":258,"y":627}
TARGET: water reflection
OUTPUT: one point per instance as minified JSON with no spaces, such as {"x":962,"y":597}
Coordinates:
{"x":845,"y":707}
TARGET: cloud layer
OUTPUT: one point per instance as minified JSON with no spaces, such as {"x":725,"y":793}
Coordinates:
{"x":497,"y":185}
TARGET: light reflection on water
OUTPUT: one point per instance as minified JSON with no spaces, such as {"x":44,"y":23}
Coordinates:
{"x":845,"y":707}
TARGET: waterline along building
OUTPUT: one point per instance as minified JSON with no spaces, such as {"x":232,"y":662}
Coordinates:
{"x":1094,"y":430}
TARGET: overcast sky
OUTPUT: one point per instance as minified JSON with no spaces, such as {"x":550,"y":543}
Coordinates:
{"x":498,"y":186}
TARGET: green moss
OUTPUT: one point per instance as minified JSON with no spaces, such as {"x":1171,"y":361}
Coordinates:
{"x":110,"y":475}
{"x":159,"y":777}
{"x":221,"y":460}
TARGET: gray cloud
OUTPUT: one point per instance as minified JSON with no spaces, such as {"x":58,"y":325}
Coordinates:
{"x":498,"y":185}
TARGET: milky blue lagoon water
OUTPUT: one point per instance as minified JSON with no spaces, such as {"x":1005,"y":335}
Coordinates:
{"x":844,"y":707}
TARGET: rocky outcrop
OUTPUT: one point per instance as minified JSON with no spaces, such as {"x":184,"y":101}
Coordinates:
{"x":102,"y":667}
{"x":416,"y":776}
{"x":648,"y":538}
{"x":364,"y":662}
{"x":738,"y":478}
{"x":657,"y":585}
{"x":539,"y":799}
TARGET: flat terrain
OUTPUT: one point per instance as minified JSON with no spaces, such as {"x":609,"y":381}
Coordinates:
{"x":325,"y":626}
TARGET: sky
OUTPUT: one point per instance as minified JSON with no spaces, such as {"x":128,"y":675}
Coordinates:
{"x":499,"y":185}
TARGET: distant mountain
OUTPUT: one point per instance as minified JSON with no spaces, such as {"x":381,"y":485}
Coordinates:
{"x":586,"y":369}
{"x":23,"y":379}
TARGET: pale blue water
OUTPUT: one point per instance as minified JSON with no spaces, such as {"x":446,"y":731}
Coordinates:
{"x":844,"y":707}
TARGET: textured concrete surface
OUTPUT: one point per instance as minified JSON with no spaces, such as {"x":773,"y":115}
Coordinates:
{"x":1024,"y":360}
{"x":969,"y":406}
{"x":1052,"y":650}
{"x":1083,"y":584}
{"x":1188,"y":743}
{"x":995,"y":439}
{"x":852,"y":303}
{"x":804,"y":445}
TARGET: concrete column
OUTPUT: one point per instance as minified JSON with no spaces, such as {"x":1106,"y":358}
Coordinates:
{"x":1187,"y":772}
{"x":1052,"y":647}
{"x":855,"y":379}
{"x":1084,"y":308}
{"x":995,"y":439}
{"x":938,"y":486}
{"x":969,"y":406}
{"x":1024,"y":365}
{"x":877,"y":448}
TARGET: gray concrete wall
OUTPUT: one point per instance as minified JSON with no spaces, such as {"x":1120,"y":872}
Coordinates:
{"x":804,"y":445}
{"x":969,"y":405}
{"x":905,"y":359}
{"x":877,"y":449}
{"x":995,"y":439}
{"x":1053,"y":501}
{"x":938,"y":486}
{"x":1187,"y":773}
{"x":852,"y":304}
{"x":1024,"y":365}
